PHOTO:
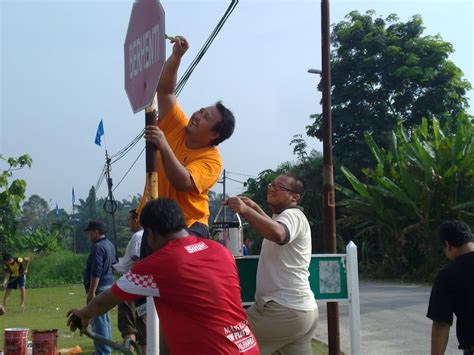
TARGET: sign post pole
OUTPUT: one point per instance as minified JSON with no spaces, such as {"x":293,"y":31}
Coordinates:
{"x":144,"y":57}
{"x":354,"y":299}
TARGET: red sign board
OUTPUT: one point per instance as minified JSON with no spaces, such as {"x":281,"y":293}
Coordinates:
{"x":144,"y":51}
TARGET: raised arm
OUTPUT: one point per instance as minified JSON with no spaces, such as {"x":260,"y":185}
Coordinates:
{"x":167,"y":84}
{"x":26,"y":263}
{"x":249,"y":202}
{"x":258,"y":219}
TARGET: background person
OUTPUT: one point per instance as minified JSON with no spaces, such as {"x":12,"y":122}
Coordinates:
{"x":194,"y":283}
{"x":14,"y":271}
{"x":453,"y":290}
{"x":130,"y":324}
{"x":98,"y":277}
{"x":284,"y":315}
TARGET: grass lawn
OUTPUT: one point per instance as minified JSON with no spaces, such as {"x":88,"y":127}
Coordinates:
{"x":46,"y":308}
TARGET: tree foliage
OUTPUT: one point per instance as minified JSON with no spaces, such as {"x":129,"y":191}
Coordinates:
{"x":92,"y":208}
{"x":34,"y":214}
{"x":308,"y":168}
{"x":12,"y":192}
{"x":426,"y":176}
{"x":385,"y":71}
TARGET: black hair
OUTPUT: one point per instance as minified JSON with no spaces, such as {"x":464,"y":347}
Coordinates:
{"x":225,"y":127}
{"x":296,"y":185}
{"x":133,"y":213}
{"x":7,"y":257}
{"x":95,"y":225}
{"x":455,"y":232}
{"x":163,"y":216}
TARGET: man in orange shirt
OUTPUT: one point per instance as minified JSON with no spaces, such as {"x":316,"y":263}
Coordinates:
{"x":189,"y":163}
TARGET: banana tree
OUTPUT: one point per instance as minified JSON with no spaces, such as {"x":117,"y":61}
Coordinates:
{"x":426,"y":177}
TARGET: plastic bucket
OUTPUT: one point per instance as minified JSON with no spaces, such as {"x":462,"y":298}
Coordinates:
{"x":15,"y":341}
{"x":229,"y":234}
{"x":45,"y":342}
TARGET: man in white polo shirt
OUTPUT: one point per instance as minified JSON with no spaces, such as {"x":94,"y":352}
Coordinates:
{"x":285,"y":315}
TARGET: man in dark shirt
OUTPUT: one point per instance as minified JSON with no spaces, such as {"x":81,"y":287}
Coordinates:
{"x":99,"y":277}
{"x":453,"y":290}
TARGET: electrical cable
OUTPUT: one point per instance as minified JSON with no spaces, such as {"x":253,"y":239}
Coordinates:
{"x":205,"y":47}
{"x":240,"y":174}
{"x":126,"y":173}
{"x":240,"y":182}
{"x":101,"y":178}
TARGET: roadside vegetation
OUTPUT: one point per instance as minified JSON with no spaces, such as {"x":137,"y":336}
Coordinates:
{"x":403,"y":162}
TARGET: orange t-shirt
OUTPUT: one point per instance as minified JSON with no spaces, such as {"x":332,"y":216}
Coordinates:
{"x":203,"y":164}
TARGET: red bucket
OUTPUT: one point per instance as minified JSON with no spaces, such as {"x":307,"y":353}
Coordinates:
{"x":44,"y":342}
{"x":15,"y":341}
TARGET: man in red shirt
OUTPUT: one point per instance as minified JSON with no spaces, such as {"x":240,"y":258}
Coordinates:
{"x":194,"y":283}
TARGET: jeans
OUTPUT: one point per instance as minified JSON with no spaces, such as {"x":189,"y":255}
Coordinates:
{"x":101,"y":326}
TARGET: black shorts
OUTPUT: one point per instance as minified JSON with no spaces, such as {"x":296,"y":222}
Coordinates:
{"x":16,"y":282}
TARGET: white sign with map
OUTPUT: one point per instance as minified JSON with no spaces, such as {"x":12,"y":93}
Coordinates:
{"x":329,"y":277}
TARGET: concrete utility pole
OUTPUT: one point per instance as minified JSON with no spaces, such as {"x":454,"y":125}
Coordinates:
{"x":329,"y":204}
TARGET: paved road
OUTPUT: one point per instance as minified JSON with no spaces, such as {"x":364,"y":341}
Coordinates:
{"x":393,"y":320}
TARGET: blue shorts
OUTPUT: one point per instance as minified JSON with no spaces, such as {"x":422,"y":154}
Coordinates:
{"x":16,"y":282}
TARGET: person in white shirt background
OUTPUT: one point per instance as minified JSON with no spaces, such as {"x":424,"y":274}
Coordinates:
{"x":132,"y":326}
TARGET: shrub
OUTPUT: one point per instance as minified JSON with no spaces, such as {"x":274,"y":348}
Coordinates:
{"x":60,"y":268}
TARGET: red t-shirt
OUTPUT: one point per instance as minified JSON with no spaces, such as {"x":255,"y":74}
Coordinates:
{"x":196,"y":290}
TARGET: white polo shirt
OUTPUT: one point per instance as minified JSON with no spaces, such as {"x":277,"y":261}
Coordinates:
{"x":132,"y":253}
{"x":282,"y":274}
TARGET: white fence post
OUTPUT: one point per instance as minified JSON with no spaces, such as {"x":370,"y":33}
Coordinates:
{"x":152,"y":328}
{"x":354,"y":300}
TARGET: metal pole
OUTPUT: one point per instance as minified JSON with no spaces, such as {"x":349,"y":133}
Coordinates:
{"x":151,"y":191}
{"x":223,"y":185}
{"x":328,"y":177}
{"x":223,"y":194}
{"x":74,"y":230}
{"x":150,"y":154}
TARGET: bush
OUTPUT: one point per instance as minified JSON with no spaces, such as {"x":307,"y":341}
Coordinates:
{"x":61,"y":268}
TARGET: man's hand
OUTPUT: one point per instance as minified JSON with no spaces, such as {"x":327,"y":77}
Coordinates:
{"x":77,"y":320}
{"x":180,"y":47}
{"x":248,"y":202}
{"x":155,"y":136}
{"x":238,"y":205}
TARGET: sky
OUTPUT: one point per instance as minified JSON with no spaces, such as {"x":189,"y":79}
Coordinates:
{"x":61,"y":72}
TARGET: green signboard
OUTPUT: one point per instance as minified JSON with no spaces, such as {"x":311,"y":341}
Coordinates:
{"x":328,"y":277}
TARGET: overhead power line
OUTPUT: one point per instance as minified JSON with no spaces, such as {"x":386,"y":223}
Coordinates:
{"x":126,"y":173}
{"x":240,"y":182}
{"x":205,"y":47}
{"x":240,"y":174}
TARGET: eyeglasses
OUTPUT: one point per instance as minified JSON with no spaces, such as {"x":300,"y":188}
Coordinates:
{"x":279,"y":187}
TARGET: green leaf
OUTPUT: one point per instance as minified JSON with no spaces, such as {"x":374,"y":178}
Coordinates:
{"x":356,"y":184}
